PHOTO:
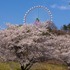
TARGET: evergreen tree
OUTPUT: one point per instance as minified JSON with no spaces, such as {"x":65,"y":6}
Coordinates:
{"x":65,"y":28}
{"x":37,"y":19}
{"x":68,"y":26}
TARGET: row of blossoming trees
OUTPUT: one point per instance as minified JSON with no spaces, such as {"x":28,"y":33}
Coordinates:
{"x":20,"y":43}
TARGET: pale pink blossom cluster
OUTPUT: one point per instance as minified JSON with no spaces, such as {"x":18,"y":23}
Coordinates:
{"x":28,"y":39}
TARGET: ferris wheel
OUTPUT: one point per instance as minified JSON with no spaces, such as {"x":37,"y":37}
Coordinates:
{"x":37,"y":7}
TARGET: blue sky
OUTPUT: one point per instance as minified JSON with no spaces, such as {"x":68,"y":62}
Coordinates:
{"x":12,"y":11}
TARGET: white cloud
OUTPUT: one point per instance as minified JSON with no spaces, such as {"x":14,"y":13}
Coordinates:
{"x":64,"y":7}
{"x":66,"y":0}
{"x":53,"y":6}
{"x":60,"y":7}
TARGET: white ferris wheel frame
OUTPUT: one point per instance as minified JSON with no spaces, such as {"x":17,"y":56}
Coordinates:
{"x":49,"y":12}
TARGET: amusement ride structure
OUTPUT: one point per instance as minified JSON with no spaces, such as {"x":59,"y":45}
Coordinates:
{"x":37,"y":21}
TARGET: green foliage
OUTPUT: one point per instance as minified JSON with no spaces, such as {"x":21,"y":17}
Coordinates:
{"x":58,"y":32}
{"x":37,"y":19}
{"x":68,"y":26}
{"x":20,"y":25}
{"x":65,"y":27}
{"x":49,"y":29}
{"x":45,"y":33}
{"x":28,"y":31}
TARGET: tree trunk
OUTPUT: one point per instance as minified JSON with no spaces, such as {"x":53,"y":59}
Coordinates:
{"x":22,"y":68}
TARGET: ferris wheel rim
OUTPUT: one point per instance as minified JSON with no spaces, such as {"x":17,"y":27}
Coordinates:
{"x":39,"y":6}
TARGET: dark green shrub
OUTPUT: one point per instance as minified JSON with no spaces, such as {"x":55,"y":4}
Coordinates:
{"x":45,"y":33}
{"x":58,"y":32}
{"x":28,"y":31}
